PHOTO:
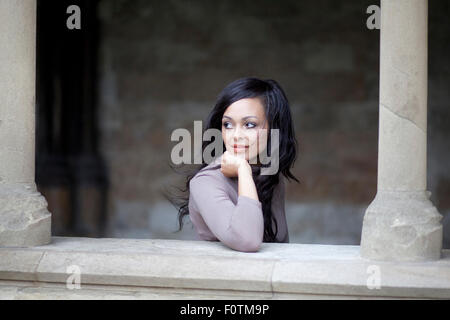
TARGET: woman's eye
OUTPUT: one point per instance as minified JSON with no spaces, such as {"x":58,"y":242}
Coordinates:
{"x":250,"y":125}
{"x":227,"y":125}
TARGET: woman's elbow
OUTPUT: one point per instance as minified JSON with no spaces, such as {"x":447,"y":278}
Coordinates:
{"x":245,"y":240}
{"x":252,"y":244}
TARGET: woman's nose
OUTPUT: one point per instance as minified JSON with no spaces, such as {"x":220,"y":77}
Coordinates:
{"x":238,"y":134}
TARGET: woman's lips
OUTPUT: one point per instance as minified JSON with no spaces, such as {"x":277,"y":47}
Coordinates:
{"x":239,"y":148}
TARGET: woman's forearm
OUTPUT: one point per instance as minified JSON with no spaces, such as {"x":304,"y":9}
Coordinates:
{"x":246,"y":184}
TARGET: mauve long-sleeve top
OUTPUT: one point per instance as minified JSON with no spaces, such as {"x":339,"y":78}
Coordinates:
{"x":218,"y":213}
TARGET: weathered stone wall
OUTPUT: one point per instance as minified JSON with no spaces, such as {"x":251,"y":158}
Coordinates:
{"x":163,"y":63}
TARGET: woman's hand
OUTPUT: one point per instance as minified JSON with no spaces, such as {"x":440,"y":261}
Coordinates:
{"x":231,"y":165}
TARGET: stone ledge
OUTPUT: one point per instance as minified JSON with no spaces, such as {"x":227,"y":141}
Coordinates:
{"x":277,"y":270}
{"x":26,"y":290}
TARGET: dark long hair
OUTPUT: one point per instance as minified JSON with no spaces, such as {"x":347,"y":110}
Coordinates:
{"x":278,"y":115}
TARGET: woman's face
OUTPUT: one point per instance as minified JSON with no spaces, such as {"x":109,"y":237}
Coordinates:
{"x":244,"y":128}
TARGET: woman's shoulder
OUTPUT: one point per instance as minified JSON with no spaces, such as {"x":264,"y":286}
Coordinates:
{"x":210,"y":174}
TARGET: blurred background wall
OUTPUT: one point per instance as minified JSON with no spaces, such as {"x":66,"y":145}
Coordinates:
{"x":110,"y":95}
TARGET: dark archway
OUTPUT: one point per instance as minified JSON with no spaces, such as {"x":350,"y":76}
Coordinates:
{"x":70,"y":171}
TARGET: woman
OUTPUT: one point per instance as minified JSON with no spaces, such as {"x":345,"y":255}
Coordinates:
{"x":229,"y":199}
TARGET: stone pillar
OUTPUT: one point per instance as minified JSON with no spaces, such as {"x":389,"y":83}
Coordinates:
{"x":401,"y":224}
{"x":24,"y":219}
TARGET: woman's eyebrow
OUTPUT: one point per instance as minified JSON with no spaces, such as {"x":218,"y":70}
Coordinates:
{"x":244,"y":118}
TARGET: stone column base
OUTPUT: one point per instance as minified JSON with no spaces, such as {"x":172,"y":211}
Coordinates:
{"x":402,"y":226}
{"x":24,"y":218}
